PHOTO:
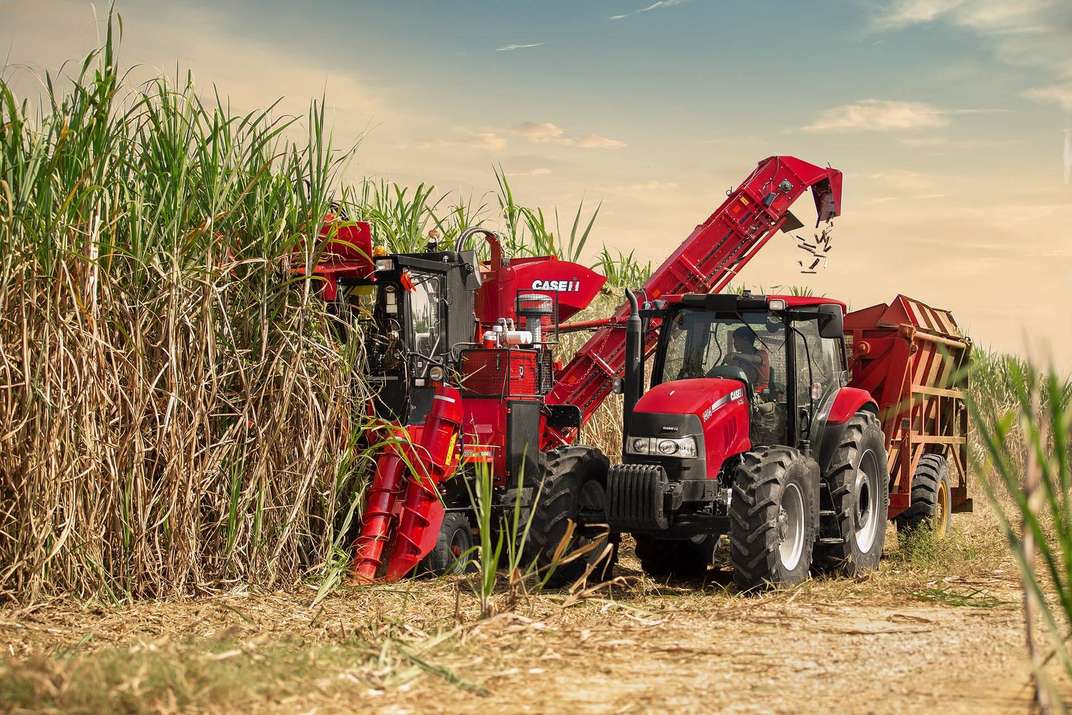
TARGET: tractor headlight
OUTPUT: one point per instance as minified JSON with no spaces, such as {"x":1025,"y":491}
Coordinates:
{"x":680,"y":448}
{"x":436,"y":373}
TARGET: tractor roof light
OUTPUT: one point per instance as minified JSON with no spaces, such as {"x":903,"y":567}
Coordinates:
{"x":385,"y":264}
{"x":776,"y":304}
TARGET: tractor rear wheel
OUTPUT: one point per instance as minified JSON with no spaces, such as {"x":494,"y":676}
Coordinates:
{"x":573,"y":490}
{"x":856,"y":502}
{"x":774,"y":517}
{"x":453,"y":552}
{"x":663,"y":558}
{"x":931,"y":498}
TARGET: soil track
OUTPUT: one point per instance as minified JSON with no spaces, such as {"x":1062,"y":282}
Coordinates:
{"x":910,"y":639}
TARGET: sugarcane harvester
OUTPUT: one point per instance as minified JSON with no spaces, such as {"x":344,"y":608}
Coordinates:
{"x":461,"y":353}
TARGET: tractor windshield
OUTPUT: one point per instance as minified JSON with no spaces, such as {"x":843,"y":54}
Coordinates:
{"x":700,"y":342}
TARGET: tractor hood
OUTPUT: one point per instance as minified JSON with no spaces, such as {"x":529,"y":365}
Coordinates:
{"x":713,"y":409}
{"x":700,"y":396}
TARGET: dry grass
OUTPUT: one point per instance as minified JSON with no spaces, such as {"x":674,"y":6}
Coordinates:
{"x":424,"y":645}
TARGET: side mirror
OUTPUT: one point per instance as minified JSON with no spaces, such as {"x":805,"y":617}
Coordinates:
{"x":831,"y":321}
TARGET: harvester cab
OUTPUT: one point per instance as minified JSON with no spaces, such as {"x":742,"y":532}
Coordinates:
{"x":410,"y":326}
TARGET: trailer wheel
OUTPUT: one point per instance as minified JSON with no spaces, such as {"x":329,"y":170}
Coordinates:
{"x":774,"y":517}
{"x":857,"y":500}
{"x":574,"y":489}
{"x":931,"y":498}
{"x":453,"y":552}
{"x":662,"y":558}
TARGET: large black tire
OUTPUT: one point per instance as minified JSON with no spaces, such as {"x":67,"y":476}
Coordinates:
{"x":931,"y":498}
{"x":664,"y":558}
{"x":574,"y":488}
{"x":453,"y":552}
{"x":856,"y":503}
{"x":774,"y":517}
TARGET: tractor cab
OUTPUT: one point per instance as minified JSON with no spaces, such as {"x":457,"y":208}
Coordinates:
{"x":786,"y":352}
{"x":732,"y":375}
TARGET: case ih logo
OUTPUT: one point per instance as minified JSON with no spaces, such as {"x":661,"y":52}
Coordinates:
{"x":560,"y":286}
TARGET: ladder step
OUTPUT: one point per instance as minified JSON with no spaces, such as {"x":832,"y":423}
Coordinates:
{"x":827,"y":512}
{"x":831,"y":540}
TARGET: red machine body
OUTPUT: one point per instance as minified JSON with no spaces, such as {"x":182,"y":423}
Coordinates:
{"x":571,"y":285}
{"x":409,"y":509}
{"x":721,"y":407}
{"x":345,"y":251}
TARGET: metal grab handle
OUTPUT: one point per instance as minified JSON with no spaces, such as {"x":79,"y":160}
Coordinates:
{"x":494,"y":242}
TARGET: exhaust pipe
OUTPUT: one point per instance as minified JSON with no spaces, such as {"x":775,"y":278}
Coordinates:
{"x":633,"y":376}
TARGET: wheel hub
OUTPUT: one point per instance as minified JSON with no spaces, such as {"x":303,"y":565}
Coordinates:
{"x":941,"y":519}
{"x":866,"y":491}
{"x":791,"y":527}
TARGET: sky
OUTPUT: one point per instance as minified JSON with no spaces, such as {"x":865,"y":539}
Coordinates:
{"x":951,"y":119}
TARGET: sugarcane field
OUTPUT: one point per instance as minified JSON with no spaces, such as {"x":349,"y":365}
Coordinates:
{"x":601,"y":357}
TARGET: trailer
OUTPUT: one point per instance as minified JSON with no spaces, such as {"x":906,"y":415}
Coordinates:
{"x":913,"y":359}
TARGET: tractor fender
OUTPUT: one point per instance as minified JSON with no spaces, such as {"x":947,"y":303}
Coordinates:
{"x":716,"y":409}
{"x":846,"y":403}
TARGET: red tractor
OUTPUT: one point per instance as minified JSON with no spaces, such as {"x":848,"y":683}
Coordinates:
{"x":462,"y":352}
{"x":753,"y":428}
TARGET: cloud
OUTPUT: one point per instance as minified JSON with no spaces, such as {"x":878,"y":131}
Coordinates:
{"x":648,"y":187}
{"x":595,"y":141}
{"x":1025,"y":33}
{"x":654,"y":6}
{"x":541,"y":131}
{"x":512,"y":47}
{"x":538,"y":171}
{"x":877,"y":115}
{"x":1059,"y":94}
{"x":486,"y":140}
{"x":924,"y":141}
{"x":551,"y":133}
{"x":1068,"y":156}
{"x":156,"y":43}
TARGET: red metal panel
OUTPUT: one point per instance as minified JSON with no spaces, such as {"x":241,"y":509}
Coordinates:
{"x":847,"y":402}
{"x":572,"y":285}
{"x":497,"y":372}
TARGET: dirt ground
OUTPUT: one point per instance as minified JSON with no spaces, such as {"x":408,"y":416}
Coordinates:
{"x":941,"y":630}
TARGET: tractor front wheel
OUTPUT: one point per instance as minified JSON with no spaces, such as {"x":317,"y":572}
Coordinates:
{"x":774,"y":517}
{"x":857,"y":500}
{"x":572,"y":490}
